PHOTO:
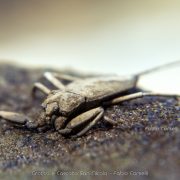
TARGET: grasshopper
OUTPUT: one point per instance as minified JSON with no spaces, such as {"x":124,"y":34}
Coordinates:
{"x":74,"y":108}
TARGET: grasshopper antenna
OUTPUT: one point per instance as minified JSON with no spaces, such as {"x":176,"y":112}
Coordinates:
{"x":158,"y":68}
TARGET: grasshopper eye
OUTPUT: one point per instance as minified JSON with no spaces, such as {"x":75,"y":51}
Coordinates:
{"x":51,"y":108}
{"x":55,"y":108}
{"x":43,"y":105}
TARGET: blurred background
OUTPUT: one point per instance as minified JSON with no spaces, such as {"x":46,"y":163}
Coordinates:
{"x":103,"y":36}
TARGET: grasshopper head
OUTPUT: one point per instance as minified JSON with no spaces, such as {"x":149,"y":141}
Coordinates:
{"x":62,"y":103}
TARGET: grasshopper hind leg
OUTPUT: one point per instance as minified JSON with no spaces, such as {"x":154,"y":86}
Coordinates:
{"x":135,"y":96}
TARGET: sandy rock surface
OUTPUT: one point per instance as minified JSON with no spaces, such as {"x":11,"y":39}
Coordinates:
{"x":147,"y":139}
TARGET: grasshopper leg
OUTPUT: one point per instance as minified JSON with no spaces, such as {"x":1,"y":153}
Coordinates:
{"x":135,"y":96}
{"x":52,"y":79}
{"x":65,"y":77}
{"x":87,"y":119}
{"x":91,"y":124}
{"x":110,"y":121}
{"x":130,"y":97}
{"x":18,"y":119}
{"x":40,"y":87}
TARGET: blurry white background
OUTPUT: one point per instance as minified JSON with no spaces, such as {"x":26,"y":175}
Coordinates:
{"x":104,"y":36}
